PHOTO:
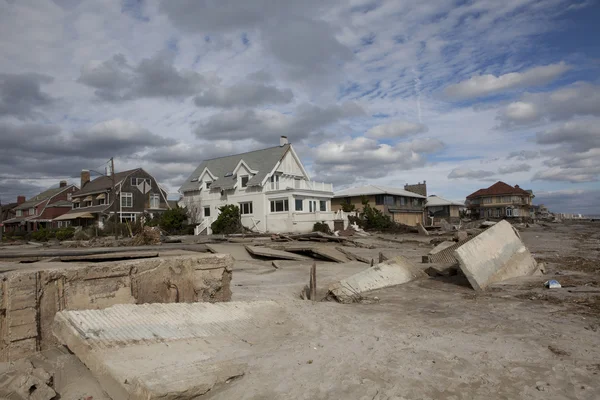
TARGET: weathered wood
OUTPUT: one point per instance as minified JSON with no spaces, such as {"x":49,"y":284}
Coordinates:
{"x":313,"y":282}
{"x":109,"y":256}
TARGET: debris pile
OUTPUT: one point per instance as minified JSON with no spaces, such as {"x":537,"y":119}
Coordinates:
{"x":148,"y":236}
{"x":22,"y":381}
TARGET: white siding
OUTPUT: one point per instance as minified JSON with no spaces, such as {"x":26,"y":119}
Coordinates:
{"x":290,"y":166}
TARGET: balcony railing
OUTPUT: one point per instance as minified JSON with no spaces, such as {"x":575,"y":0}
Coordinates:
{"x":299,"y":184}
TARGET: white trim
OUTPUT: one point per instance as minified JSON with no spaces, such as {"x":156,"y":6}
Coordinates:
{"x":239,"y":164}
{"x":298,"y":161}
{"x":206,"y":171}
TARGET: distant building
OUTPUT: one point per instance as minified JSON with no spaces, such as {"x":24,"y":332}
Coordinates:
{"x":501,"y":201}
{"x":403,"y":206}
{"x":39,"y":211}
{"x":438,"y":208}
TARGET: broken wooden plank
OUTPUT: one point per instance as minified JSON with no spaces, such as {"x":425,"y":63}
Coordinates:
{"x":272,"y":253}
{"x":109,"y":256}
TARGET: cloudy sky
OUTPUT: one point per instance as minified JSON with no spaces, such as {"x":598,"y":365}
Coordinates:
{"x":458,"y":93}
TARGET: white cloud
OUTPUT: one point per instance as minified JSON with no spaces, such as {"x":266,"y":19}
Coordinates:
{"x":485,"y":85}
{"x":461,"y":173}
{"x":511,"y":169}
{"x":396,"y":129}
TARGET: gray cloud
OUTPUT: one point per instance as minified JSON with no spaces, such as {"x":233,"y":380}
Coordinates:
{"x":577,"y":99}
{"x":485,"y":85}
{"x":396,"y":129}
{"x":21,"y":94}
{"x":578,"y":135}
{"x":266,"y":126}
{"x":46,"y":151}
{"x":578,"y":201}
{"x":116,"y":80}
{"x":458,"y":173}
{"x":344,"y":162}
{"x":291,"y":30}
{"x":511,"y":169}
{"x":244,"y":94}
{"x":523,"y":155}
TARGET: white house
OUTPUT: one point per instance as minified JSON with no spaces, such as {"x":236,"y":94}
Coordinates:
{"x":271,"y":187}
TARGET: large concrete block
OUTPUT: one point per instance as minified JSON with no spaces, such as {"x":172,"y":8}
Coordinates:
{"x":493,"y":256}
{"x":163,"y":351}
{"x":388,"y":273}
{"x":33,"y":294}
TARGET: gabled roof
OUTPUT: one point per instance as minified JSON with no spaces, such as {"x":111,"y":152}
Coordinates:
{"x":437,"y":201}
{"x":374,"y":190}
{"x":45,"y":195}
{"x":262,"y":161}
{"x":499,"y":188}
{"x":103,"y":183}
{"x":60,"y":203}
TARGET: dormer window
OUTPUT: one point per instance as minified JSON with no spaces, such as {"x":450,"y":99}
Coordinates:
{"x":208,"y":184}
{"x":245,"y":180}
{"x":32,"y":211}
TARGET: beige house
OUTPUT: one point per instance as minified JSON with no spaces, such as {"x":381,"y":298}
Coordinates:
{"x":438,"y":208}
{"x":403,"y":206}
{"x":501,"y":201}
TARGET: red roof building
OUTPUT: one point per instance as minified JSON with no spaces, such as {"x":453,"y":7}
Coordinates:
{"x":501,"y":201}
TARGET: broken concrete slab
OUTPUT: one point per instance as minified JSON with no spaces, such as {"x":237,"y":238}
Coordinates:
{"x":422,"y":230}
{"x":436,"y":270}
{"x":460,"y":235}
{"x":162,"y":351}
{"x":388,"y":273}
{"x":268,"y":252}
{"x":319,"y":251}
{"x":369,"y":255}
{"x":31,"y":294}
{"x":493,"y":256}
{"x":487,"y":224}
{"x":24,"y":381}
{"x":237,"y":251}
{"x":446,"y":226}
{"x":110,"y":256}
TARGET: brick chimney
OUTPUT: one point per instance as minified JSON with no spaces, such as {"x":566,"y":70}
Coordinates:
{"x":20,"y":199}
{"x":62,"y":184}
{"x":419,"y":188}
{"x":283,"y":140}
{"x":85,"y":177}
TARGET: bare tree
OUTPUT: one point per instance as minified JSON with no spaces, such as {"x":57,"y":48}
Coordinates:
{"x":193,"y":209}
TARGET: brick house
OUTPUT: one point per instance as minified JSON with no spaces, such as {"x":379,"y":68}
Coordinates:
{"x":93,"y":204}
{"x":39,"y":211}
{"x":501,"y":201}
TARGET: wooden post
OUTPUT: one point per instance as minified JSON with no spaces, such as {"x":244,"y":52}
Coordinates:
{"x":313,"y":282}
{"x":372,"y":262}
{"x":380,"y":257}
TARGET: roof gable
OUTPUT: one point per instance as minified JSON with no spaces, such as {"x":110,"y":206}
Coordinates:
{"x":499,"y":188}
{"x":104,"y":182}
{"x":44,"y":196}
{"x":262,"y":161}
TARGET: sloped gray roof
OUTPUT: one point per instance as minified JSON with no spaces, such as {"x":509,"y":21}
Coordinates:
{"x":375,"y":190}
{"x":93,"y":209}
{"x":60,"y":203}
{"x":262,"y":161}
{"x":45,"y":195}
{"x":103,"y":183}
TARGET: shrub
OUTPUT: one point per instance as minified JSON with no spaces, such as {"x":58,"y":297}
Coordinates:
{"x":348,"y":207}
{"x":64,"y":233}
{"x":321,"y":227}
{"x":173,"y":220}
{"x":41,"y":235}
{"x":229,"y":221}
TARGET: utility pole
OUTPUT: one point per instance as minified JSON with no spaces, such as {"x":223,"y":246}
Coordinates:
{"x":1,"y":220}
{"x":112,"y":175}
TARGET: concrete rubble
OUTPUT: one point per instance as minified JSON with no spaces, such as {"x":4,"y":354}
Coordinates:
{"x":388,"y":273}
{"x":494,"y":255}
{"x":31,"y":294}
{"x":23,"y":381}
{"x":422,"y":230}
{"x":273,"y":253}
{"x":161,"y":351}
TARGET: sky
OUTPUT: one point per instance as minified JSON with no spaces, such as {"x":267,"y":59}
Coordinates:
{"x":460,"y":94}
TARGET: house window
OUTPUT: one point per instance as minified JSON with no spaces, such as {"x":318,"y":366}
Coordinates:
{"x":274,"y":182}
{"x":126,"y":199}
{"x":207,"y":211}
{"x":155,"y":200}
{"x":497,"y":212}
{"x":509,"y":212}
{"x":102,"y":201}
{"x":299,"y":203}
{"x":487,"y":200}
{"x":246,"y":208}
{"x":312,"y":206}
{"x":69,"y":196}
{"x":506,"y":199}
{"x":245,"y":181}
{"x":76,"y":205}
{"x":379,"y":199}
{"x":497,"y":199}
{"x":415,"y":202}
{"x":402,"y":201}
{"x":137,"y":181}
{"x":208,"y":184}
{"x":32,"y":211}
{"x":88,"y":203}
{"x":279,"y":205}
{"x":128,"y":217}
{"x":19,"y":213}
{"x":323,"y":205}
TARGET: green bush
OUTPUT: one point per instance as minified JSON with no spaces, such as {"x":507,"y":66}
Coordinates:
{"x":173,"y":220}
{"x":64,"y":233}
{"x":41,"y":235}
{"x":321,"y":227}
{"x":348,"y":207}
{"x":229,"y":221}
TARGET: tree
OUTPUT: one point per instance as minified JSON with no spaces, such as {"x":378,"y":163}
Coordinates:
{"x":173,"y":220}
{"x":229,"y":221}
{"x":193,"y":209}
